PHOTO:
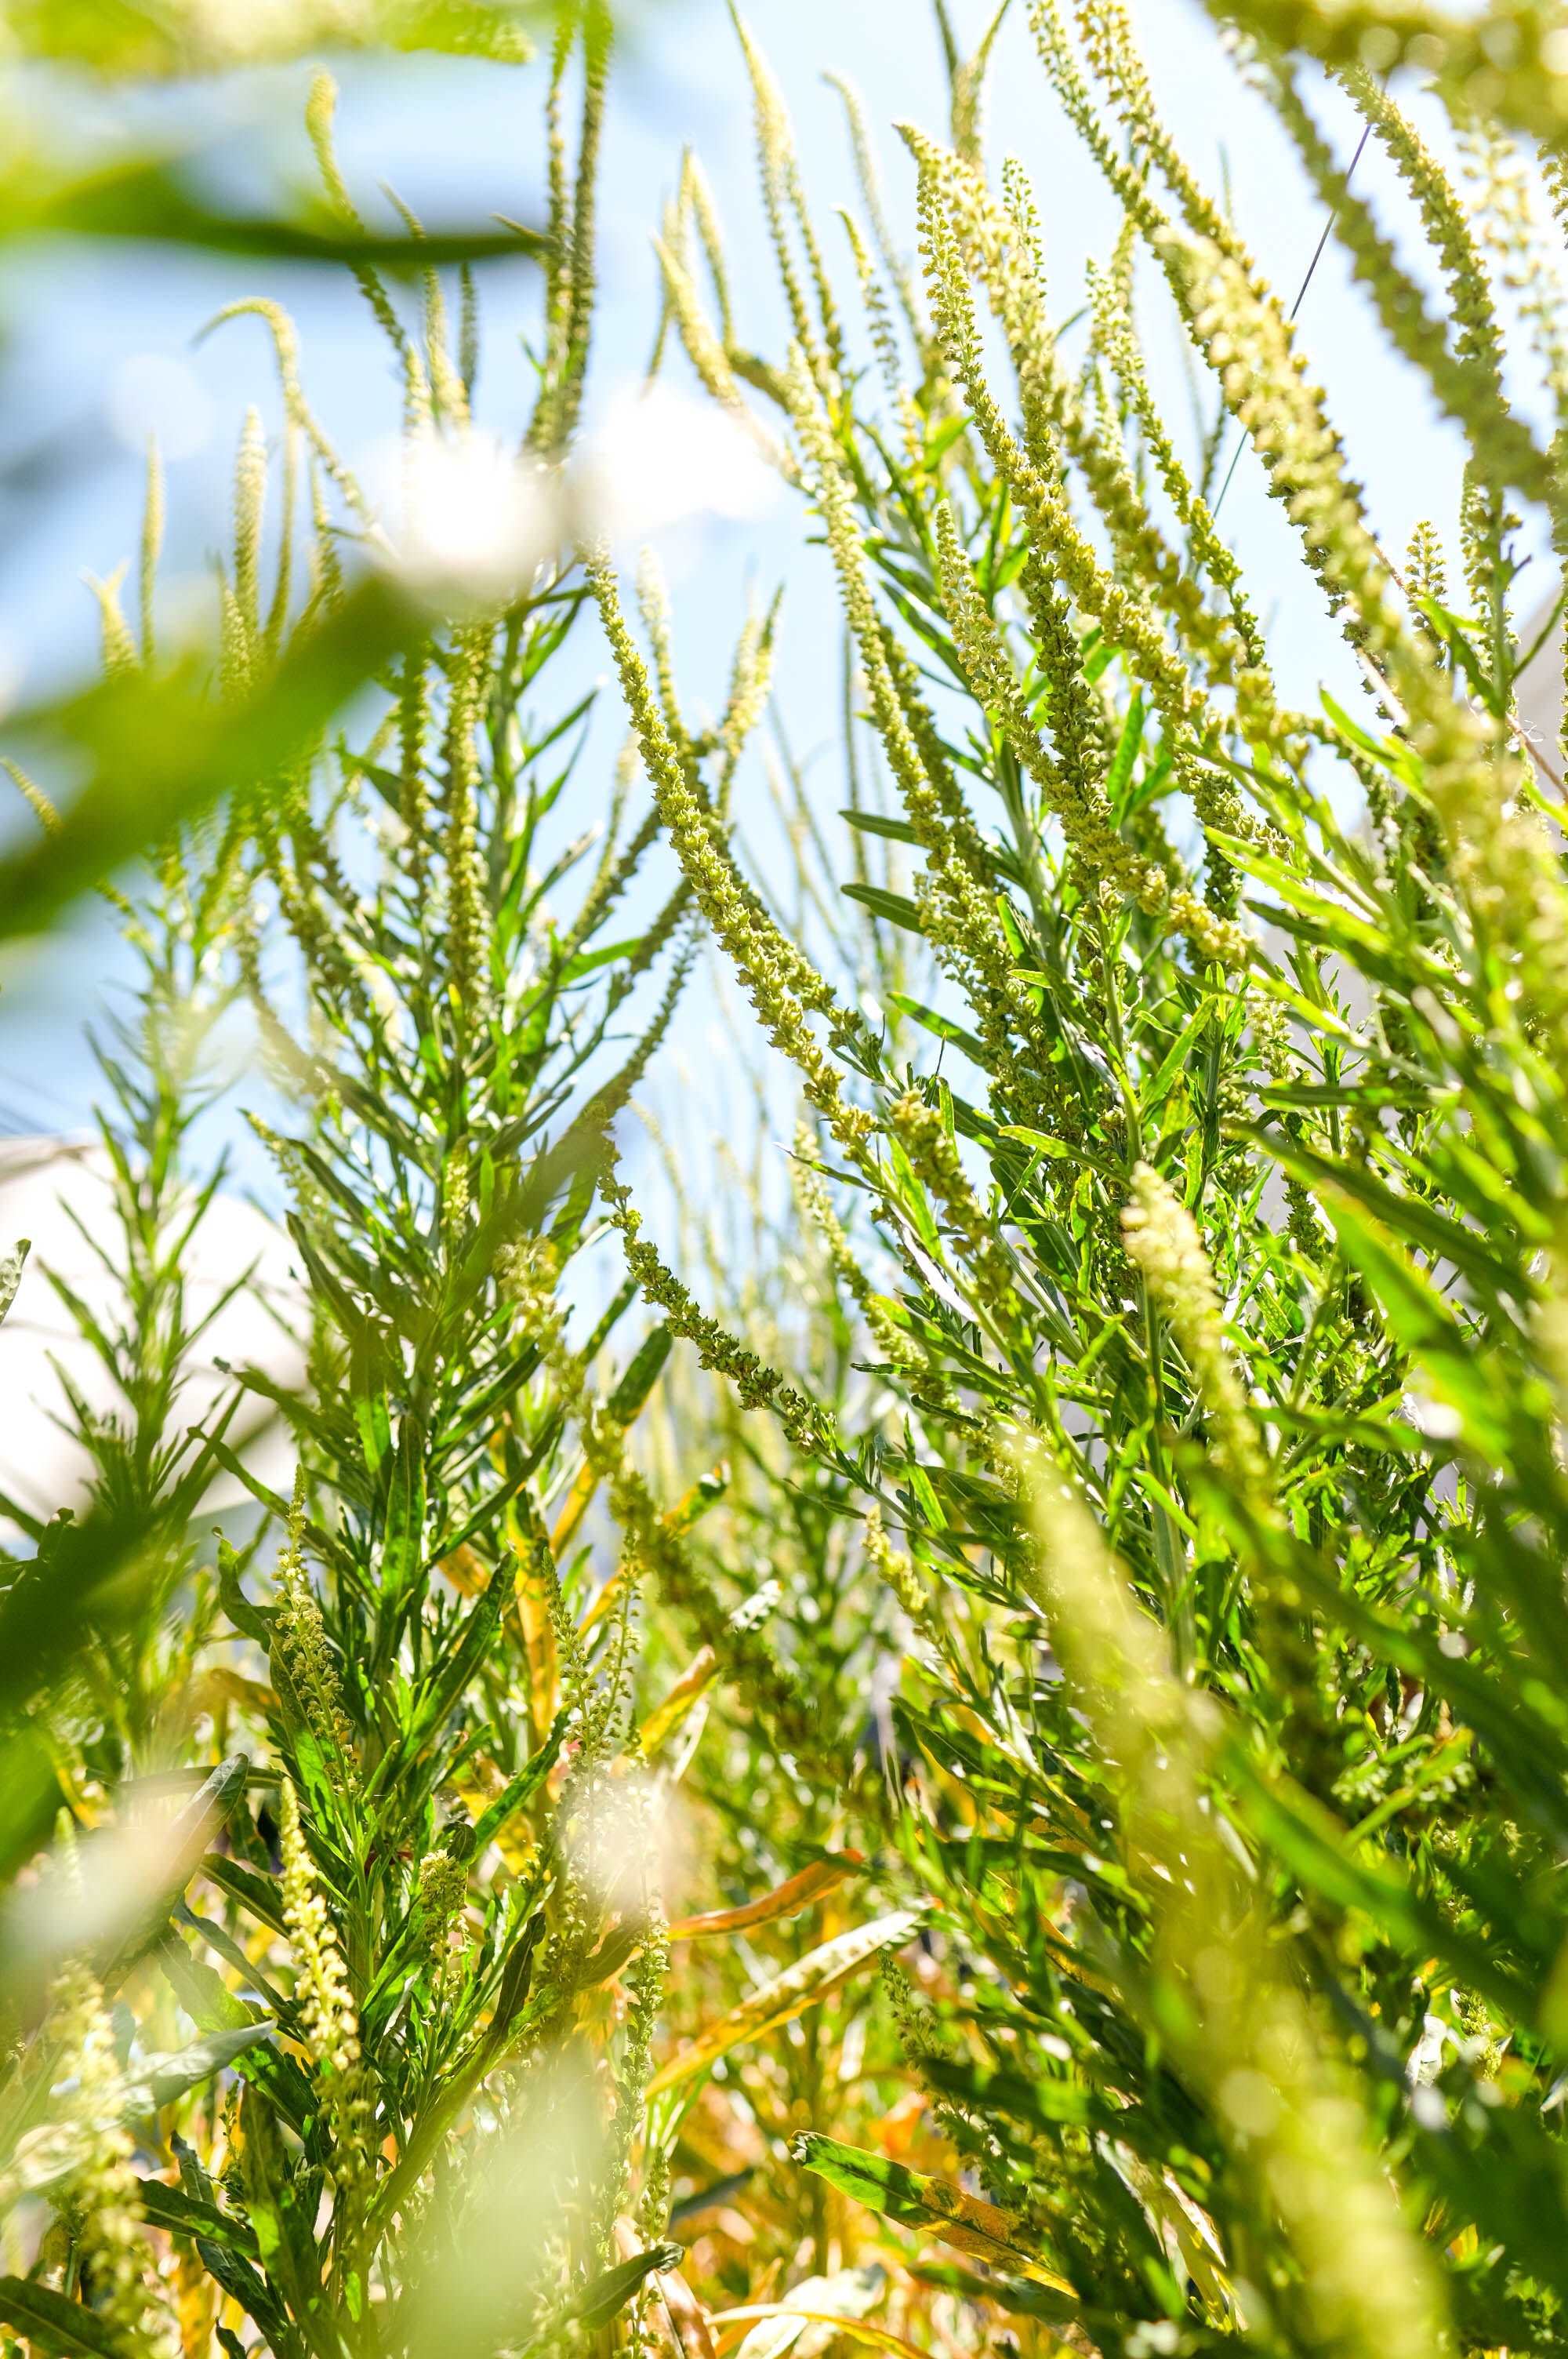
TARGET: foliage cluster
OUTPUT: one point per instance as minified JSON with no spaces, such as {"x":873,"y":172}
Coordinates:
{"x":1075,"y":1602}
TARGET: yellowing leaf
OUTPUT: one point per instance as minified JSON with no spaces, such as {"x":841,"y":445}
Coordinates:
{"x":824,"y":2305}
{"x":666,"y":1718}
{"x":218,"y":1685}
{"x":858,"y":2330}
{"x":965,"y":2221}
{"x":579,"y":1499}
{"x":696,"y":1501}
{"x":788,"y":1994}
{"x":786,"y":1900}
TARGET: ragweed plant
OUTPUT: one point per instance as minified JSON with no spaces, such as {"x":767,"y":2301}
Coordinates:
{"x":149,"y":1454}
{"x":461,"y":1872}
{"x":1218,"y":1246}
{"x":416,"y":1979}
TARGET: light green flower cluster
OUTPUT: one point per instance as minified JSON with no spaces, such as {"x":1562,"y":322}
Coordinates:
{"x":1234,"y":2017}
{"x":812,"y":1195}
{"x":653,"y":1541}
{"x":783,"y":986}
{"x":897,"y":1568}
{"x":1099,"y":852}
{"x":1119,"y":606}
{"x":756,"y":1384}
{"x":783,"y":199}
{"x":1498,"y":849}
{"x":325,"y":2000}
{"x":466,"y":915}
{"x":1161,"y":1237}
{"x":301,"y":1637}
{"x":1082,"y":810}
{"x":443,"y":1890}
{"x":959,"y":910}
{"x":963,"y":228}
{"x":568,"y":305}
{"x":81,"y":2156}
{"x":935,"y":1162}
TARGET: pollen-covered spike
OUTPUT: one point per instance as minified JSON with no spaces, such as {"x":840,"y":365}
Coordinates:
{"x":782,"y":197}
{"x":285,"y":349}
{"x":697,"y":195}
{"x":869,"y":180}
{"x":250,"y":508}
{"x":41,"y":804}
{"x":321,"y":110}
{"x":1162,"y":1238}
{"x":119,"y":649}
{"x":468,"y":914}
{"x":468,"y":335}
{"x":968,"y":90}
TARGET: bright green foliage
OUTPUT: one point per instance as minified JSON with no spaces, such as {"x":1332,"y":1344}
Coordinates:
{"x":195,"y":36}
{"x":433,"y":1849}
{"x":1116,"y":1563}
{"x":1226,"y":1310}
{"x":152,"y":1462}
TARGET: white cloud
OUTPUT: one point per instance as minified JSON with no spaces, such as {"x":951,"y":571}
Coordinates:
{"x":661,"y":457}
{"x":472,"y":519}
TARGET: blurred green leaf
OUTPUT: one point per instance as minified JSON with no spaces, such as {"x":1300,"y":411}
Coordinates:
{"x":157,"y":750}
{"x":63,"y":2328}
{"x":155,"y":201}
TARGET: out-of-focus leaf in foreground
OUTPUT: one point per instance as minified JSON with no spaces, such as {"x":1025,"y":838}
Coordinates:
{"x":159,"y":748}
{"x":197,"y":36}
{"x":152,"y":199}
{"x":157,"y":199}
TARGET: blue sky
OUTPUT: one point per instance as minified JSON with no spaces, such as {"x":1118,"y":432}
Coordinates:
{"x":102,"y":344}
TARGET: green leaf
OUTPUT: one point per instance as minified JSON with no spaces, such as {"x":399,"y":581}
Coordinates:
{"x":942,"y":1026}
{"x":897,"y":830}
{"x":1118,"y":777}
{"x":605,"y":2296}
{"x":62,"y":2328}
{"x":373,"y":1415}
{"x":1011,"y":2293}
{"x":1307,"y":1837}
{"x":11,"y":1273}
{"x":186,"y":1841}
{"x":963,"y":2221}
{"x":403,"y":1545}
{"x":142,"y":42}
{"x":1421,"y":1321}
{"x":159,"y":748}
{"x":236,"y":1604}
{"x":1479,"y":1253}
{"x":164,"y":2078}
{"x":229,"y":2269}
{"x":893,"y":907}
{"x":470,"y":1646}
{"x":262,"y":1895}
{"x":641,"y":1376}
{"x":184,"y":2214}
{"x":284,"y":2237}
{"x":148,"y":201}
{"x":520,"y":1789}
{"x":517,"y":1974}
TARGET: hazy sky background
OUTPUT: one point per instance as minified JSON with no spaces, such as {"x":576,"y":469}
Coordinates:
{"x":102,"y":345}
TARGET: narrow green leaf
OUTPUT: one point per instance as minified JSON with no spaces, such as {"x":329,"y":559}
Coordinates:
{"x":62,"y":2328}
